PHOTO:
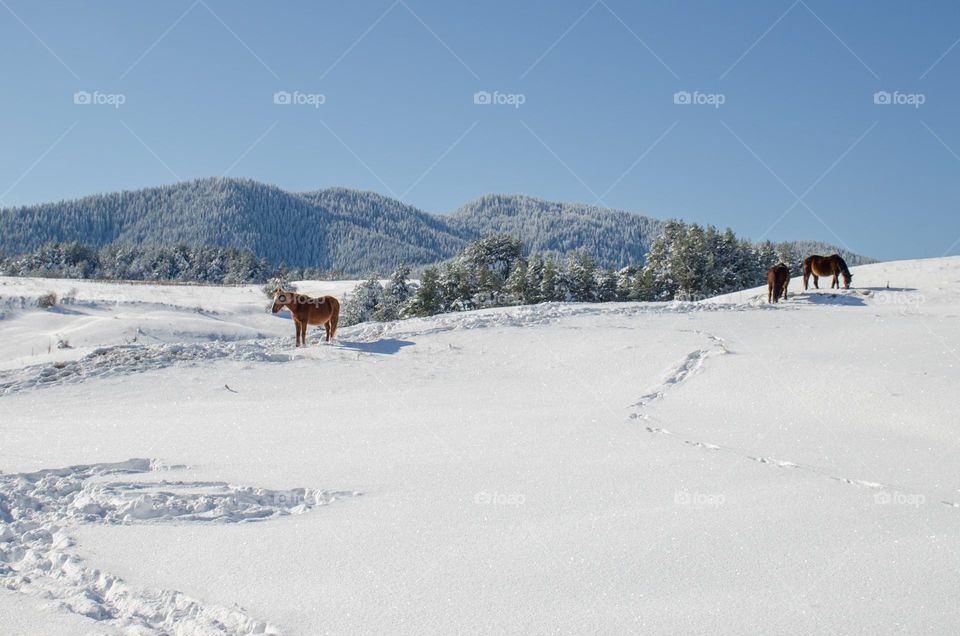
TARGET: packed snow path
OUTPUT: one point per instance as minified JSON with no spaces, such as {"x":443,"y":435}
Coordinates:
{"x":38,"y":510}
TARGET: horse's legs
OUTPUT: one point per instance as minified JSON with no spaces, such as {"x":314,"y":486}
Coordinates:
{"x":326,"y":326}
{"x":769,"y":293}
{"x":301,"y":328}
{"x":835,"y":282}
{"x":816,"y":281}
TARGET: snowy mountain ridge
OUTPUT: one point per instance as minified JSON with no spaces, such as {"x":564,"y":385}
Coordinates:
{"x":338,"y":229}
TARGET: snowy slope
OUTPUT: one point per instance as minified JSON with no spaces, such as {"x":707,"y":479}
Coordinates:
{"x":715,"y":467}
{"x":93,"y":314}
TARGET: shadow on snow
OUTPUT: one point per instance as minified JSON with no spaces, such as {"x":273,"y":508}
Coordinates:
{"x":829,"y":298}
{"x":388,"y":346}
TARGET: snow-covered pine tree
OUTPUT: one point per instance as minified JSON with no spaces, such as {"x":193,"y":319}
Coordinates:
{"x":362,"y":303}
{"x":459,"y":287}
{"x":534,"y":283}
{"x":395,"y":294}
{"x":607,"y":287}
{"x":625,"y":277}
{"x":581,"y":275}
{"x":489,"y":262}
{"x":427,"y":300}
{"x":658,"y":269}
{"x":551,"y":285}
{"x":517,"y":287}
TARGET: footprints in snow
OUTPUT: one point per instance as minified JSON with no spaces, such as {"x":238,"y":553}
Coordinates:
{"x":774,"y":462}
{"x":683,"y":371}
{"x":38,"y":510}
{"x":688,"y":367}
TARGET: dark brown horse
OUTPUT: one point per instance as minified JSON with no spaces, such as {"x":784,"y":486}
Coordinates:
{"x":778,"y":279}
{"x":818,"y":266}
{"x":308,"y":311}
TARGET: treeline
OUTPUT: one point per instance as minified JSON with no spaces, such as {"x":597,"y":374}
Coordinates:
{"x":182,"y":263}
{"x":687,"y":262}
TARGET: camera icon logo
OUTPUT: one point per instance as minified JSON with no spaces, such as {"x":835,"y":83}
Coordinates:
{"x":282,"y":97}
{"x":682,"y":97}
{"x":882,"y":97}
{"x":82,"y":97}
{"x":482,"y":97}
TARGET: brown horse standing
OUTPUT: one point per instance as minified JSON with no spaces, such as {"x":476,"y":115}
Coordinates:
{"x":308,"y":311}
{"x":778,"y":279}
{"x":818,"y":266}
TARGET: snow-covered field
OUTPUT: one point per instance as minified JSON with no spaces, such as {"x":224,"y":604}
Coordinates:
{"x":715,"y":467}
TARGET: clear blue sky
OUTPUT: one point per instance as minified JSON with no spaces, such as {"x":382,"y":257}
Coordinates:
{"x":797,"y":149}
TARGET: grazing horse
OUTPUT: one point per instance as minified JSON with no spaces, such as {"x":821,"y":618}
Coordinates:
{"x":818,"y":266}
{"x":778,"y":278}
{"x":308,"y":311}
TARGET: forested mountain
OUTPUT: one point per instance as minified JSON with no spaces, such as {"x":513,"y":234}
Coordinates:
{"x":333,"y":230}
{"x":613,"y":237}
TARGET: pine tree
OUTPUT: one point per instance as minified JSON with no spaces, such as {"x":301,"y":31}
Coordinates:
{"x":645,"y":287}
{"x":395,"y":294}
{"x":534,"y":283}
{"x":459,"y":287}
{"x":581,"y":275}
{"x":551,"y":285}
{"x":625,"y":279}
{"x":427,"y":300}
{"x":518,"y":285}
{"x":362,"y":303}
{"x":607,"y":288}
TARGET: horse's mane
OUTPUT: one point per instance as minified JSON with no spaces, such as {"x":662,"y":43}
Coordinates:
{"x":843,"y":265}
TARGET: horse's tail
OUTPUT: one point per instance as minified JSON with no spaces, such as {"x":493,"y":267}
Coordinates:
{"x":775,"y":281}
{"x":807,"y":265}
{"x":334,"y":315}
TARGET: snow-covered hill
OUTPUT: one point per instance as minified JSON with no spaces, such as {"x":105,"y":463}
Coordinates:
{"x":94,"y":314}
{"x":717,"y":467}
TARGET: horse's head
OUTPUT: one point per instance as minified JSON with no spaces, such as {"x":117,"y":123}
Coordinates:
{"x":847,"y":278}
{"x":281,"y":299}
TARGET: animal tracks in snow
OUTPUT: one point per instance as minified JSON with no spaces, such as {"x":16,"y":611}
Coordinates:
{"x":688,"y":367}
{"x":774,"y":462}
{"x":38,"y":510}
{"x":684,"y":370}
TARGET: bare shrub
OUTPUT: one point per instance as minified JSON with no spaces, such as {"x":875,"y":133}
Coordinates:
{"x":47,"y":300}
